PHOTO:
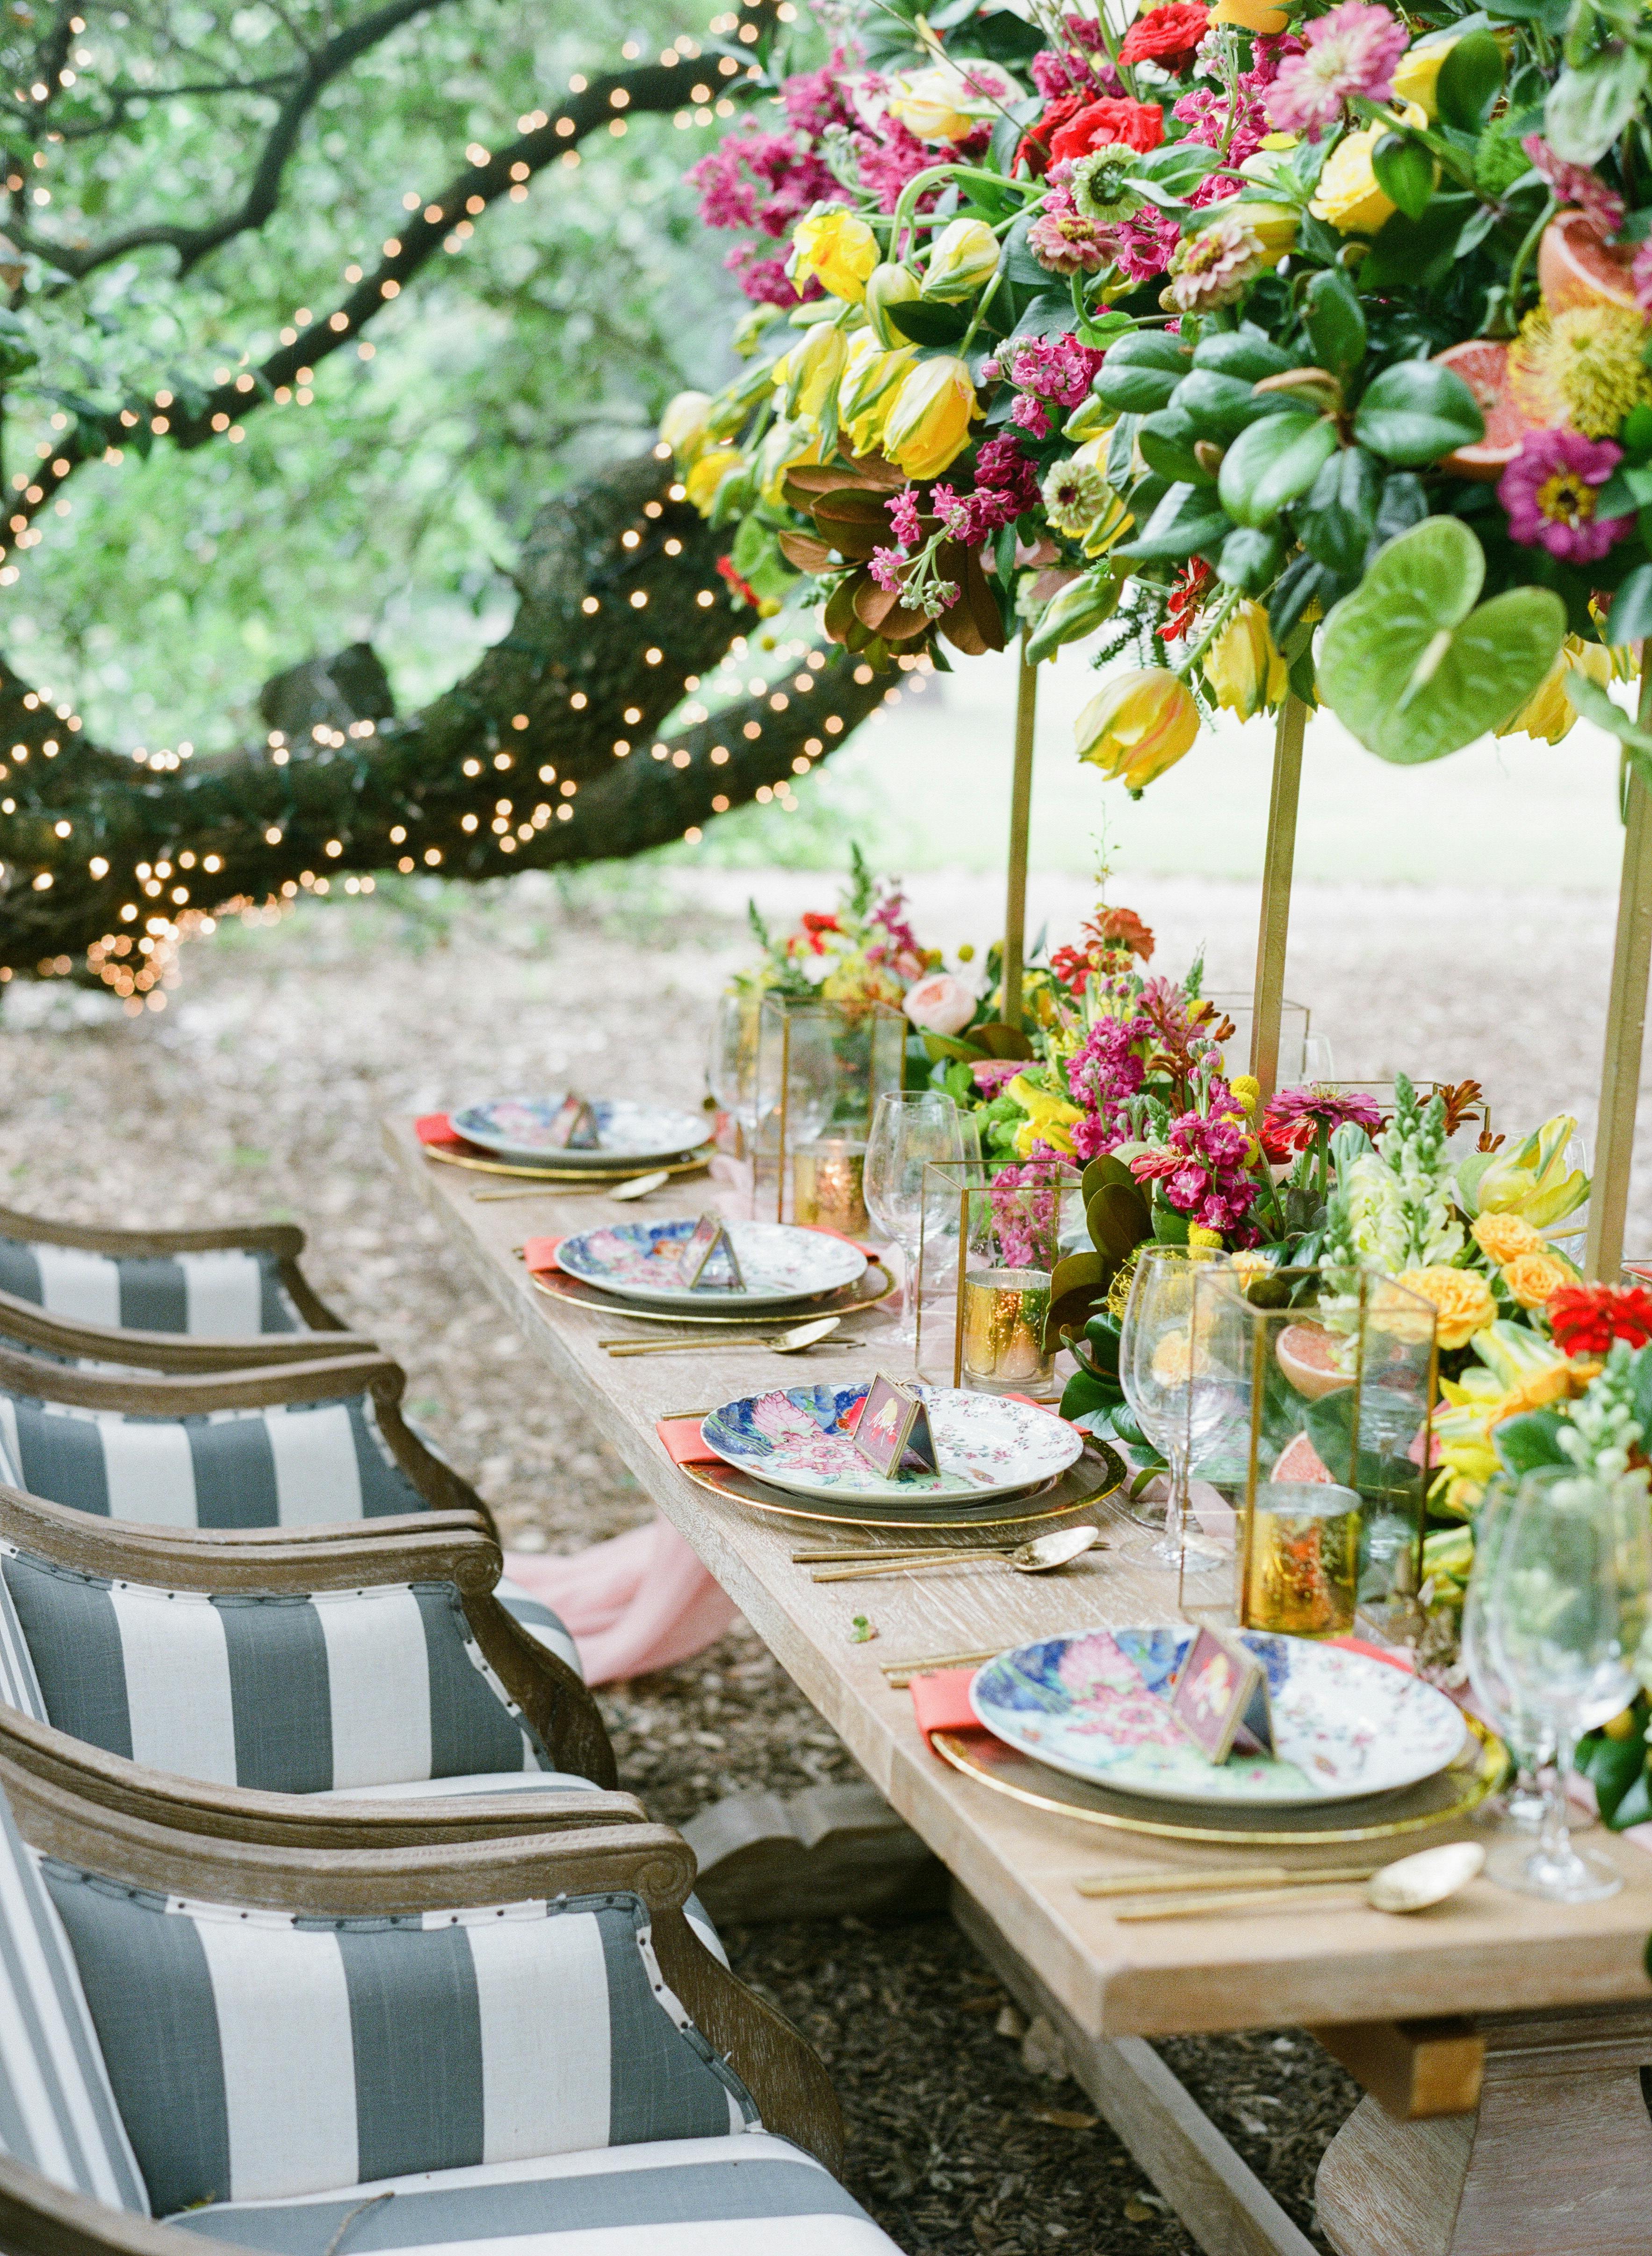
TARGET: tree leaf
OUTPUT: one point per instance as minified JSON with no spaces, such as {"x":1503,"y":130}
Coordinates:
{"x":1630,"y":618}
{"x":1187,"y":519}
{"x":1595,"y":705}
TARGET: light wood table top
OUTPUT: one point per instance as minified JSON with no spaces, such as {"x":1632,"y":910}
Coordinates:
{"x":1485,"y":1950}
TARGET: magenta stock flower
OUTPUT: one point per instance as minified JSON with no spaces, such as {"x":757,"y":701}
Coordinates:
{"x":1353,"y":50}
{"x":1201,"y":1168}
{"x":1002,"y":468}
{"x":1578,"y":185}
{"x":1550,"y":491}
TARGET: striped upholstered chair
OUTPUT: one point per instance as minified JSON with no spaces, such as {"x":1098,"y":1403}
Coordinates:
{"x":225,"y":1283}
{"x":515,"y":2047}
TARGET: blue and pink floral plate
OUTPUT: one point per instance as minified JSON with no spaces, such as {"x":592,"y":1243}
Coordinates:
{"x":779,"y":1263}
{"x":1093,"y":1703}
{"x":798,"y":1440}
{"x":520,"y":1128}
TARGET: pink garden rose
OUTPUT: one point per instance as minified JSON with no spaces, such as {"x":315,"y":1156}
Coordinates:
{"x":940,"y":1005}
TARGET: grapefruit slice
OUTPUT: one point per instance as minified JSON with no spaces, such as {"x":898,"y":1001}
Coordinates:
{"x":1300,"y":1461}
{"x":1307,"y":1355}
{"x":1577,"y":266}
{"x":1483,"y":366}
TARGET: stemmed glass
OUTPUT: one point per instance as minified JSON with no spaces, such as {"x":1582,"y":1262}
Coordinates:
{"x":1528,"y":1742}
{"x":1160,"y":1351}
{"x":1565,"y":1610}
{"x":910,"y":1129}
{"x":731,"y":1062}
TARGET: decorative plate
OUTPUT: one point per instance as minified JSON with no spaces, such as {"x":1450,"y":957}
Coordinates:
{"x":638,"y":1261}
{"x":519,"y":1128}
{"x":1094,"y":1703}
{"x":799,"y":1441}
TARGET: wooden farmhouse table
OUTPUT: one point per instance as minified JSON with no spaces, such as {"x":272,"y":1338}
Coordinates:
{"x":1502,"y":2041}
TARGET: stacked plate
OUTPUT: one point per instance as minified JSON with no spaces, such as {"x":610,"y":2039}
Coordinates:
{"x":631,"y":1135}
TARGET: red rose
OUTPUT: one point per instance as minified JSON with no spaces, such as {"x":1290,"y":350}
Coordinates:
{"x":1034,"y":152}
{"x":1167,"y":35}
{"x":1139,"y":125}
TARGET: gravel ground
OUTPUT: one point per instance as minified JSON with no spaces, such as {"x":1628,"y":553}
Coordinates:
{"x":256,"y":1095}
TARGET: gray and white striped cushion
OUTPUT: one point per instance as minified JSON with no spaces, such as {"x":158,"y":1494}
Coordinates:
{"x":57,"y":2112}
{"x":254,"y":2053}
{"x":296,"y":1695}
{"x":227,"y":1294}
{"x":19,"y":1686}
{"x":754,"y":2195}
{"x":293,"y":1465}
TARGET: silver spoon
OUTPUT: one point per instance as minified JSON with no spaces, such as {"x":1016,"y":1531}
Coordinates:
{"x":1046,"y":1553}
{"x":1411,"y":1884}
{"x":637,"y":1187}
{"x":792,"y":1343}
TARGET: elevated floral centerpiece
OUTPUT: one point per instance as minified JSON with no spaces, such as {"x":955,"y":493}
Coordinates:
{"x":1283,"y":348}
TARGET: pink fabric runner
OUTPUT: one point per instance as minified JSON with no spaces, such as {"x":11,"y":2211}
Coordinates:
{"x":640,"y":1602}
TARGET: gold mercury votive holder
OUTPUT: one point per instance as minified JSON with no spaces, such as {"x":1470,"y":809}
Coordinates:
{"x":828,"y":1184}
{"x":1003,"y":1326}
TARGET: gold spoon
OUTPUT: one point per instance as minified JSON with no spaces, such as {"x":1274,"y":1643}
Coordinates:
{"x":637,"y":1187}
{"x":1046,"y":1553}
{"x":1411,"y":1884}
{"x":792,"y":1343}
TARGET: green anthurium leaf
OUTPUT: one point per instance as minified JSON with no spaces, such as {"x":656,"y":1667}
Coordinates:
{"x":1588,"y":107}
{"x":1336,"y":322}
{"x":1415,"y":411}
{"x":1272,"y":464}
{"x":1000,"y":1041}
{"x":1470,"y":80}
{"x":1408,"y":664}
{"x":1118,"y":1218}
{"x":1339,"y":517}
{"x":1593,"y":703}
{"x":1404,"y":172}
{"x":1105,"y":1169}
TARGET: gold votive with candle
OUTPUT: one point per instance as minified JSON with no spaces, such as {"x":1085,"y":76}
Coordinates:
{"x":1302,"y":1567}
{"x":1004,"y":1326}
{"x":828,"y":1178}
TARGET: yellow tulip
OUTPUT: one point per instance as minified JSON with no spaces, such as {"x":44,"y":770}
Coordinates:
{"x":836,"y":248}
{"x":813,"y":371}
{"x":683,"y":426}
{"x":1549,"y":713}
{"x":702,"y":481}
{"x":1533,"y":1179}
{"x":927,"y":426}
{"x":944,"y":105}
{"x":784,"y":446}
{"x":962,"y":259}
{"x":1348,"y":196}
{"x":1417,"y":74}
{"x":1255,"y":16}
{"x":1243,"y":667}
{"x":864,"y":396}
{"x":1052,"y":1119}
{"x":890,"y":284}
{"x":1138,"y":726}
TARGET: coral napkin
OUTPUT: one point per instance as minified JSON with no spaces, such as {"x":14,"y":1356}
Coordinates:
{"x":436,"y":1128}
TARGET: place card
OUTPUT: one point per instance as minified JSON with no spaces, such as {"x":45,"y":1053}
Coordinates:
{"x":573,"y":1127}
{"x":1220,"y":1699}
{"x":708,"y":1262}
{"x":893,"y":1429}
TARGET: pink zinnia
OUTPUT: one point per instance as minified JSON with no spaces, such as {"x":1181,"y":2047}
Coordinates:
{"x":1549,"y":490}
{"x":1353,"y":50}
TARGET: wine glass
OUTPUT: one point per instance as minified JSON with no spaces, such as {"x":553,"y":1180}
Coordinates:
{"x":910,"y":1129}
{"x":1318,"y":1062}
{"x":806,"y":1037}
{"x":731,"y":1062}
{"x":1528,"y":1742}
{"x":1565,"y":1610}
{"x":1160,"y":1350}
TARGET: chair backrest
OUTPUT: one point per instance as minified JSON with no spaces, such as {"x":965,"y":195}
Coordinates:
{"x":58,"y":2113}
{"x":297,"y":1695}
{"x":226,"y":1294}
{"x":256,"y":2052}
{"x":301,"y":1465}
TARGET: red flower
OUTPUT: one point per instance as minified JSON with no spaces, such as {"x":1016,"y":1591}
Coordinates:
{"x":1034,"y":152}
{"x":737,"y":585}
{"x":1187,"y":593}
{"x":1167,"y":35}
{"x":1123,"y":929}
{"x":1139,"y":125}
{"x":1585,"y":1319}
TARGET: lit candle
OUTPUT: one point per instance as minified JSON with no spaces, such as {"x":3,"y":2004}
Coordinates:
{"x":827,"y":1186}
{"x":1004,"y":1313}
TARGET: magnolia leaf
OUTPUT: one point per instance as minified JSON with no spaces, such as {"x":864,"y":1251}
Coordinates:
{"x":1415,"y":411}
{"x":1412,"y":668}
{"x":1404,"y":172}
{"x":1470,"y":80}
{"x":1272,"y":464}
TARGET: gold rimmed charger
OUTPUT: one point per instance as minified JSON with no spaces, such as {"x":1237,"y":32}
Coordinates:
{"x":621,"y":1172}
{"x":1098,"y":1473}
{"x":845,"y":1301}
{"x":1449,"y":1795}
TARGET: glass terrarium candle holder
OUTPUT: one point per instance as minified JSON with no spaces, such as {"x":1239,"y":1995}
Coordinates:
{"x":985,"y":1261}
{"x":821,"y":1068}
{"x":1314,"y":1405}
{"x":1295,"y":1057}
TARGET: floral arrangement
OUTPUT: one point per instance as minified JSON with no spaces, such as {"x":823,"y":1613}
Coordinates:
{"x":863,"y":951}
{"x":1293,"y":348}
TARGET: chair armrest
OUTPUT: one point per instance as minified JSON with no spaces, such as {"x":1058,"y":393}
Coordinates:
{"x":39,"y":2218}
{"x":284,"y":1239}
{"x":555,"y":1698}
{"x":294,"y":1821}
{"x":322,"y":1379}
{"x":21,"y":1320}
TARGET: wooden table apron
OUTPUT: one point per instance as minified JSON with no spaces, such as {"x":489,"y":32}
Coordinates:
{"x":1486,"y":1951}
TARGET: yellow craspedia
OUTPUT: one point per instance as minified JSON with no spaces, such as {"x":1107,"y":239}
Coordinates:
{"x":1247,"y":1089}
{"x":702,"y":481}
{"x":1242,"y":665}
{"x":1140,"y":725}
{"x":927,"y":426}
{"x":1582,"y":366}
{"x":1199,"y":1236}
{"x":837,"y":249}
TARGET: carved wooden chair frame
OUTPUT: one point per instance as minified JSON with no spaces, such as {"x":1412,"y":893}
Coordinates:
{"x":284,"y":1239}
{"x":437,"y":1545}
{"x":777,"y":2065}
{"x":33,"y":1327}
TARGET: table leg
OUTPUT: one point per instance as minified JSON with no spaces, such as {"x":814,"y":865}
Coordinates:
{"x":1556,"y":2162}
